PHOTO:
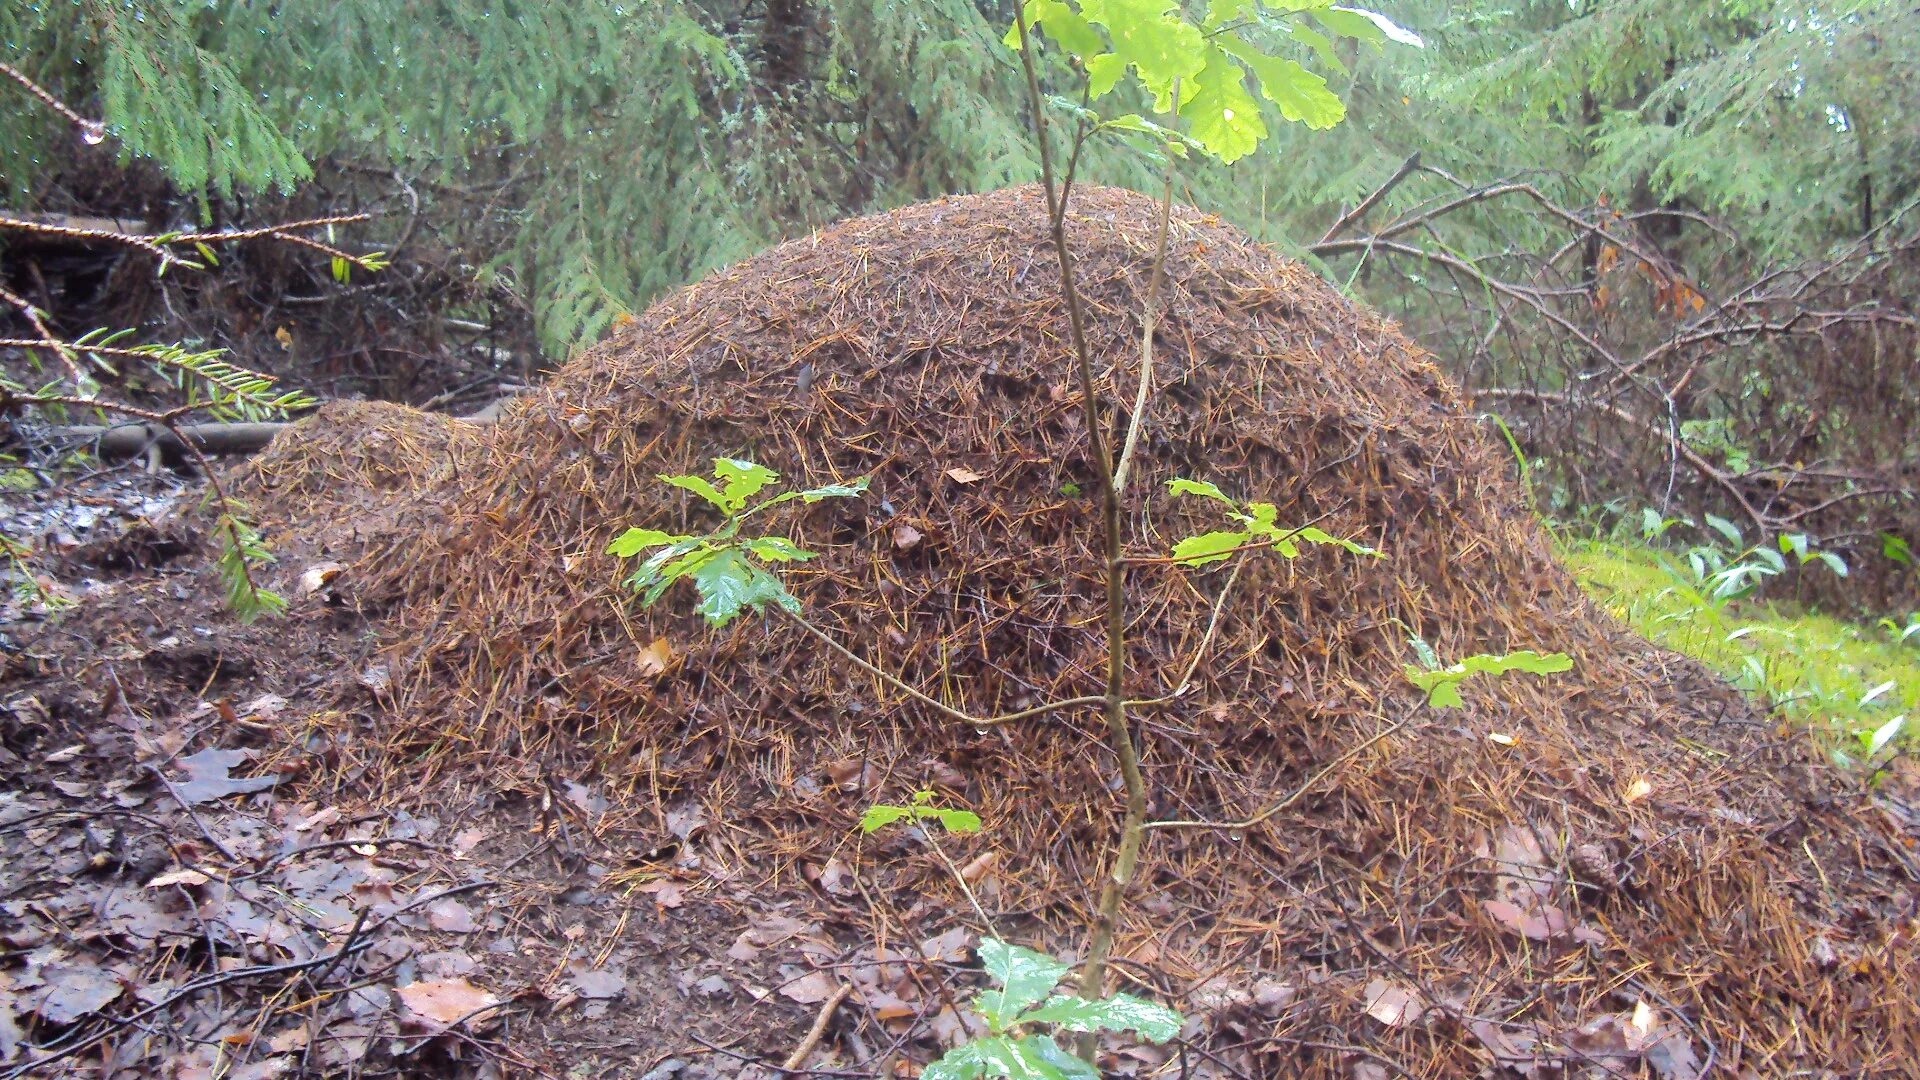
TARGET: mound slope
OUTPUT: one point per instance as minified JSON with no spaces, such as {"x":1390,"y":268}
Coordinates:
{"x":1633,"y":800}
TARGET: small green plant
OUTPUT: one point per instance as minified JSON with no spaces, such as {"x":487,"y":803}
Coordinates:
{"x":1901,"y":633}
{"x":241,"y":549}
{"x":725,"y":567}
{"x":1442,"y":684}
{"x":880,"y":815}
{"x":1257,"y":529}
{"x":1022,"y":1014}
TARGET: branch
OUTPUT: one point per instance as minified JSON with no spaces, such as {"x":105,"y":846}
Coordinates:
{"x":1405,"y":170}
{"x":1298,"y":792}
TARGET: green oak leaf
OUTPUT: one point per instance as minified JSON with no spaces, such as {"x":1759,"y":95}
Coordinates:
{"x":1122,"y":1012}
{"x":1208,"y":547}
{"x":1026,"y":977}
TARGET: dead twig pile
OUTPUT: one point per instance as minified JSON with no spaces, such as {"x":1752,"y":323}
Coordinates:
{"x":1611,"y":869}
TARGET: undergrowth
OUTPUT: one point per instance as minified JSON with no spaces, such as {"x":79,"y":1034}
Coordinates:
{"x":1838,"y":677}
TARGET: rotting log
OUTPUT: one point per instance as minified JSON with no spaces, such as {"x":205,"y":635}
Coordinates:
{"x":132,"y":440}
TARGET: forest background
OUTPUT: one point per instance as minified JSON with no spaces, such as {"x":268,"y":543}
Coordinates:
{"x":1672,"y":248}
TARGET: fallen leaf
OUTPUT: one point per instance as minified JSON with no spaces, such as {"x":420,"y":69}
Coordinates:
{"x":951,"y":947}
{"x":978,"y":866}
{"x":960,"y":474}
{"x":1639,"y":789}
{"x":318,"y":576}
{"x":292,"y":1040}
{"x":466,"y":840}
{"x":1499,"y":738}
{"x":64,"y":754}
{"x":655,"y":658}
{"x":71,"y":991}
{"x":599,"y":985}
{"x":207,"y":777}
{"x":450,"y":915}
{"x":809,"y":989}
{"x":320,"y":820}
{"x":1391,"y":1004}
{"x":665,"y":892}
{"x":447,"y":1001}
{"x":178,"y":877}
{"x":906,"y":537}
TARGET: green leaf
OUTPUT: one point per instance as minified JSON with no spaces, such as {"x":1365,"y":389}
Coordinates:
{"x":777,"y":549}
{"x":1892,"y":546}
{"x":1443,"y":686}
{"x":741,"y":480}
{"x":728,"y":582}
{"x":881,"y":815}
{"x":1182,"y":486}
{"x":1208,"y":547}
{"x":1001,"y":1056}
{"x":1724,"y":527}
{"x":1053,"y":1061}
{"x":700,"y":486}
{"x":825,"y":491}
{"x":954,"y":821}
{"x":1379,"y":28}
{"x":1884,"y":734}
{"x":1121,"y":1012}
{"x":1302,"y":96}
{"x":1834,"y":562}
{"x":634,"y":541}
{"x":670,"y":564}
{"x":1321,"y":45}
{"x":1025,"y":976}
{"x":1152,"y":38}
{"x":1221,"y":114}
{"x":1062,"y":24}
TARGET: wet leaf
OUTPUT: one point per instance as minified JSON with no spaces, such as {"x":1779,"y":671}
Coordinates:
{"x":447,"y":1001}
{"x":599,"y":985}
{"x":71,"y":991}
{"x":208,"y":779}
{"x":178,"y":877}
{"x":1392,"y":1004}
{"x":451,"y":916}
{"x":810,"y":989}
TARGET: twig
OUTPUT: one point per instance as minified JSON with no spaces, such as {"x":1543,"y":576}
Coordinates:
{"x":194,"y":817}
{"x":818,"y":1029}
{"x":1405,"y":170}
{"x":1298,"y":792}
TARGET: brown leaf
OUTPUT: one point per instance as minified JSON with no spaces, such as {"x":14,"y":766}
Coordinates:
{"x":906,"y":537}
{"x":599,"y":985}
{"x":810,"y":989}
{"x":655,"y":658}
{"x":207,"y":777}
{"x":450,"y":915}
{"x":1391,"y":1004}
{"x":290,"y":1041}
{"x":319,"y":820}
{"x":665,"y":892}
{"x":71,"y":991}
{"x":960,"y":474}
{"x":447,"y":1001}
{"x":951,"y":946}
{"x":317,"y":576}
{"x":178,"y":877}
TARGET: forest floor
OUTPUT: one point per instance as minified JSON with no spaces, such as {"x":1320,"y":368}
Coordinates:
{"x":179,"y":899}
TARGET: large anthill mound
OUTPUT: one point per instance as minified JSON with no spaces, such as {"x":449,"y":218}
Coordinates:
{"x":927,"y":348}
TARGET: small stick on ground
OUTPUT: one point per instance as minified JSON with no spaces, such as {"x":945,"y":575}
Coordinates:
{"x":819,"y":1028}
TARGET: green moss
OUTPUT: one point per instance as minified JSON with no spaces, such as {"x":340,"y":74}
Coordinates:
{"x":1813,"y":668}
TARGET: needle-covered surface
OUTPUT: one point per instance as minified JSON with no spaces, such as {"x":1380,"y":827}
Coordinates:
{"x":1618,"y":869}
{"x":1614,"y":867}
